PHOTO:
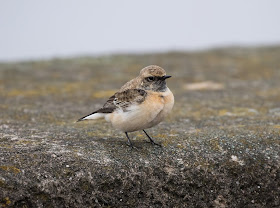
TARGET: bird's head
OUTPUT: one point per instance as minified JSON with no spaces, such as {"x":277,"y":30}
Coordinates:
{"x":153,"y":78}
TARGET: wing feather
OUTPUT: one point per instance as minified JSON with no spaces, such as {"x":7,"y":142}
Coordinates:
{"x":120,"y":100}
{"x":123,"y":100}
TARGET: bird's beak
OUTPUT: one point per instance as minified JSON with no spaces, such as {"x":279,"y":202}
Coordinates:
{"x":165,"y":77}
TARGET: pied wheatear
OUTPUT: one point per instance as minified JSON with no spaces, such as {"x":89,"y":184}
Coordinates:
{"x":141,"y":103}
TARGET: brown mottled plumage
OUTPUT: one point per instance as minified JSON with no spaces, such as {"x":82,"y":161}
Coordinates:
{"x":141,"y":103}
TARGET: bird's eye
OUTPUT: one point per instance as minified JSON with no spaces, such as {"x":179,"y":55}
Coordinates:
{"x":150,"y":79}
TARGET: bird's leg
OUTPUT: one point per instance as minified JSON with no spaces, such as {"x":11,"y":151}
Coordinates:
{"x":129,"y":143}
{"x":151,"y":140}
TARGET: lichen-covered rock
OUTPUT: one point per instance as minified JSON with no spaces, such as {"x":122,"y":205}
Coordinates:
{"x":221,"y":144}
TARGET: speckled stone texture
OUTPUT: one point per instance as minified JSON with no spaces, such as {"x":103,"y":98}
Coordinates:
{"x":221,"y":144}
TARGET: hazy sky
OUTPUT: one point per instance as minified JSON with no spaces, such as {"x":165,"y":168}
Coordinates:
{"x":32,"y":29}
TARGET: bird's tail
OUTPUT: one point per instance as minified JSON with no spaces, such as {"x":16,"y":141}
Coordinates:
{"x":94,"y":115}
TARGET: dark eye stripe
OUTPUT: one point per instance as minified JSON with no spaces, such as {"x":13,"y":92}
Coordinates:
{"x":150,"y":79}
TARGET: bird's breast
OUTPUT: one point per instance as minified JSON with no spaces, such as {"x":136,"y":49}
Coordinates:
{"x":167,"y":99}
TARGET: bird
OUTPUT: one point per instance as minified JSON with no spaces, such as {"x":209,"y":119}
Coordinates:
{"x":140,"y":104}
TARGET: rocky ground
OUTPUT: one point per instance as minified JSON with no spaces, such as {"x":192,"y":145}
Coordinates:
{"x":221,"y":144}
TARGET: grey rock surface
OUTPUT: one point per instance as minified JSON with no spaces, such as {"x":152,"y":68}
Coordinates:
{"x":221,"y":144}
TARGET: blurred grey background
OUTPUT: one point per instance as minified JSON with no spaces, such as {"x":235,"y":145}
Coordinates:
{"x":32,"y":29}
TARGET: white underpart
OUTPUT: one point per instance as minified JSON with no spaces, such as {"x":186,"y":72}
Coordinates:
{"x":95,"y":116}
{"x":129,"y":114}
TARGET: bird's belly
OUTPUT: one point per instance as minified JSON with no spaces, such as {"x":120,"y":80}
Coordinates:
{"x":132,"y":120}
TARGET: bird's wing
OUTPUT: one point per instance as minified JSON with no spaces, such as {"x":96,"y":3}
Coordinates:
{"x":120,"y":100}
{"x":123,"y":100}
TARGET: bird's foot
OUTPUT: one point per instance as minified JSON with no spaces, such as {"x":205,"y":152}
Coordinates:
{"x":151,"y":140}
{"x":154,"y":143}
{"x":130,"y":145}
